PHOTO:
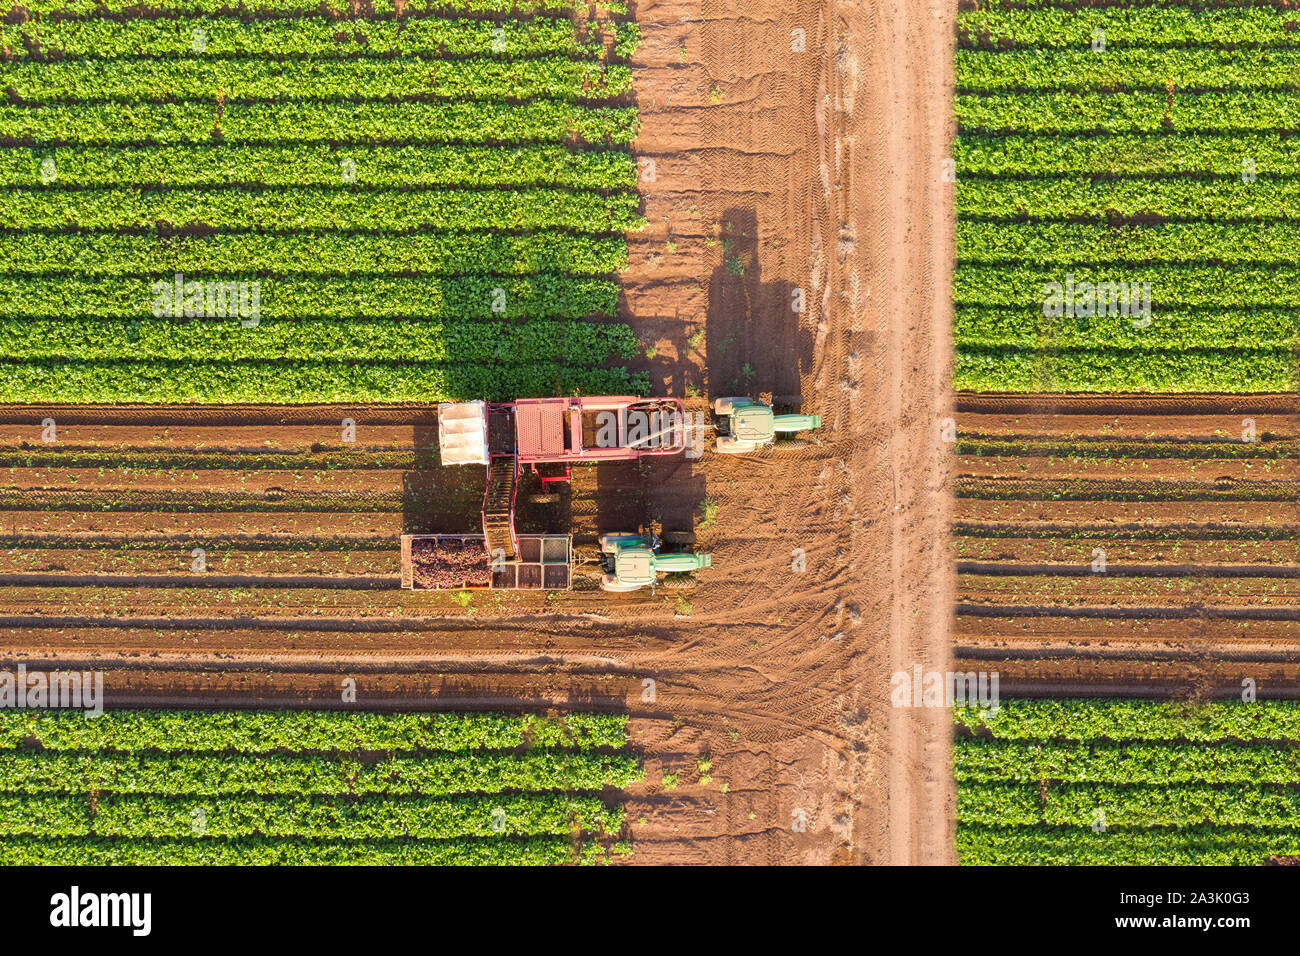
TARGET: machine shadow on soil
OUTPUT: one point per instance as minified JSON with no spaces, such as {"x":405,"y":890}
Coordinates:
{"x":753,"y":337}
{"x":441,"y":501}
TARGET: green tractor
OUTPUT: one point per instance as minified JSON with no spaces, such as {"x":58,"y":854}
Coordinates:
{"x":633,"y":561}
{"x":745,"y":425}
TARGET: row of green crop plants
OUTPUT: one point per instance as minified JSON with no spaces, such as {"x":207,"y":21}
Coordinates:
{"x":1101,"y":448}
{"x":375,"y":206}
{"x":285,"y":208}
{"x":541,"y":340}
{"x":286,"y":787}
{"x":237,"y":80}
{"x":458,"y":298}
{"x":405,"y":166}
{"x":1147,"y":146}
{"x":312,"y":123}
{"x":1001,"y":26}
{"x":1108,"y":782}
{"x":210,"y":37}
{"x":345,"y":9}
{"x":213,"y":381}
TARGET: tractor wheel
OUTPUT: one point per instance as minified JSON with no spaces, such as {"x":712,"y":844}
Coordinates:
{"x":726,"y":445}
{"x":794,"y":401}
{"x":612,"y":584}
{"x":679,"y":537}
{"x":722,"y":406}
{"x":678,"y":581}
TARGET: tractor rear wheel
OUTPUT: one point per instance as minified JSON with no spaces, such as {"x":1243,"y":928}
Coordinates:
{"x":727,"y":445}
{"x":614,"y":586}
{"x":678,"y":581}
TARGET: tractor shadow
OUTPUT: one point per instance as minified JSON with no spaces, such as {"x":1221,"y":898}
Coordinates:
{"x":606,"y":498}
{"x":675,"y":492}
{"x":754,"y":339}
{"x":601,"y":498}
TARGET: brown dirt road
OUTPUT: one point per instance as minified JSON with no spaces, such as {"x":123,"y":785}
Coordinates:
{"x":794,"y":156}
{"x":798,"y":151}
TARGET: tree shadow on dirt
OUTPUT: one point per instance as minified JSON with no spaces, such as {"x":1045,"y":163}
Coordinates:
{"x":753,"y":338}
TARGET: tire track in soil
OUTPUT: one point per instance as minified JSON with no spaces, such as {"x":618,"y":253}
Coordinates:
{"x":1066,"y":404}
{"x":908,"y":124}
{"x":1132,"y":570}
{"x":1175,"y":611}
{"x":1128,"y":650}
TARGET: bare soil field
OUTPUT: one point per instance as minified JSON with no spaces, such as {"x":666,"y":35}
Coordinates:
{"x":1134,"y":544}
{"x":799,"y":242}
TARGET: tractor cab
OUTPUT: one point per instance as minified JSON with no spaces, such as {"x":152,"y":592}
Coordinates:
{"x":753,"y":423}
{"x":633,"y":561}
{"x":745,"y":425}
{"x":634,"y":564}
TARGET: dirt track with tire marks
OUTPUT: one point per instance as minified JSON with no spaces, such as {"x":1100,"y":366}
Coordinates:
{"x":1191,"y":500}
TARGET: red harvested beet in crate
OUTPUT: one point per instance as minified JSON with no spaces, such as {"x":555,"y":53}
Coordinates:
{"x":449,"y":563}
{"x":453,"y":562}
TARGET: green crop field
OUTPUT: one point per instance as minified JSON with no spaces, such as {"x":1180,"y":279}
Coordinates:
{"x":285,"y":787}
{"x":1149,"y":145}
{"x":288,"y":201}
{"x":1127,"y":782}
